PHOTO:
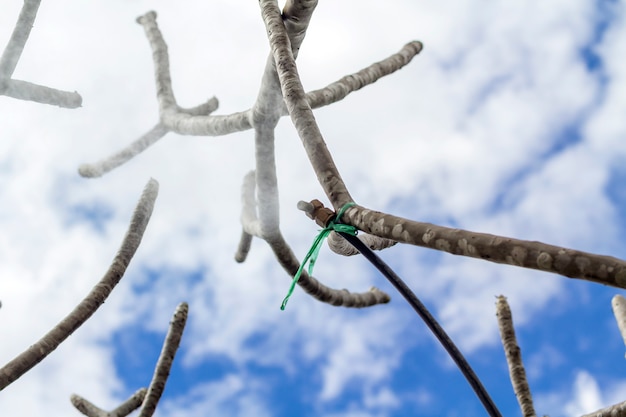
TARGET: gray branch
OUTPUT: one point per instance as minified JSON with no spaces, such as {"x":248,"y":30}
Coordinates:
{"x":617,"y":410}
{"x":504,"y":250}
{"x":127,"y":407}
{"x":96,"y":297}
{"x":166,"y":359}
{"x":513,"y":355}
{"x":619,"y":311}
{"x":8,"y":62}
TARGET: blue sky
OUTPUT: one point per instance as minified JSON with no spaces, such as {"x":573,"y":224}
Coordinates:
{"x":509,"y":122}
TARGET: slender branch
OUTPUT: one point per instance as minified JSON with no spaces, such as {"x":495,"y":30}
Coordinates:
{"x":513,"y":355}
{"x":199,"y":121}
{"x":526,"y":254}
{"x":290,"y":263}
{"x":8,"y":62}
{"x":96,"y":297}
{"x":23,"y":90}
{"x":164,"y":364}
{"x":619,"y":311}
{"x":299,"y":109}
{"x":15,"y":47}
{"x":319,"y":291}
{"x":127,"y":407}
{"x":341,"y":88}
{"x":100,"y":168}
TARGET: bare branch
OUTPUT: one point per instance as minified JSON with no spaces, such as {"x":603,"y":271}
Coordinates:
{"x":8,"y":62}
{"x":23,"y":90}
{"x":513,"y":355}
{"x":617,"y":410}
{"x":15,"y":47}
{"x":164,"y":364}
{"x":319,"y":291}
{"x":199,"y":121}
{"x":340,"y":89}
{"x":96,"y":297}
{"x":100,"y":168}
{"x":619,"y":310}
{"x":526,"y":254}
{"x":290,"y":263}
{"x":315,"y":210}
{"x":127,"y":407}
{"x":299,"y":109}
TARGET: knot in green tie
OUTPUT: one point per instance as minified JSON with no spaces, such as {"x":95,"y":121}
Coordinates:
{"x":312,"y":254}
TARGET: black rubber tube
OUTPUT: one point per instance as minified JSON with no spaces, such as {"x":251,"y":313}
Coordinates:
{"x":430,"y":321}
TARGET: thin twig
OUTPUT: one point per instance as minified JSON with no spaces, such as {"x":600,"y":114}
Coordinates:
{"x":166,"y":359}
{"x":24,"y":90}
{"x":96,"y":297}
{"x":513,"y":355}
{"x":100,"y":168}
{"x":15,"y":47}
{"x":124,"y":409}
{"x":619,"y":311}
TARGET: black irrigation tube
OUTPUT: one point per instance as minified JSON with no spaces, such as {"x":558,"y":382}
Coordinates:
{"x":430,"y":321}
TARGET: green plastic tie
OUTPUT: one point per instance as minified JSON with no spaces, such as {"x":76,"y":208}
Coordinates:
{"x":317,"y":245}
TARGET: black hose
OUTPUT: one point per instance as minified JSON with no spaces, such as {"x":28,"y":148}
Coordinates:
{"x":430,"y":321}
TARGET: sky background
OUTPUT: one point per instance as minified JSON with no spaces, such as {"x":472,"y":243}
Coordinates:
{"x":510,"y":121}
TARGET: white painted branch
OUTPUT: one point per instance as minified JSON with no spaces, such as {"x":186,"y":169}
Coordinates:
{"x":8,"y":62}
{"x":96,"y":297}
{"x":299,"y":109}
{"x":166,"y":359}
{"x":100,"y":168}
{"x":15,"y":47}
{"x":513,"y":355}
{"x":249,"y":219}
{"x":23,"y":90}
{"x":619,"y":311}
{"x":127,"y":407}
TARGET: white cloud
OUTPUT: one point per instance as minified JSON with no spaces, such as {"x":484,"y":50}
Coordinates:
{"x":585,"y":395}
{"x":474,"y":118}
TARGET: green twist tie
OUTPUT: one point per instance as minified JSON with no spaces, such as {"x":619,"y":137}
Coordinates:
{"x":317,"y":245}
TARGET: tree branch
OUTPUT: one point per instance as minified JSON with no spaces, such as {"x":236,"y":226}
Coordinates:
{"x":96,"y":297}
{"x":8,"y":62}
{"x":504,"y":250}
{"x":513,"y":355}
{"x":127,"y":407}
{"x":619,"y":311}
{"x":166,"y":358}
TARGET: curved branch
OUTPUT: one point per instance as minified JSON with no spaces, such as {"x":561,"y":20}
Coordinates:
{"x":15,"y":47}
{"x":319,"y":291}
{"x":24,"y":90}
{"x":127,"y":407}
{"x":513,"y":355}
{"x":96,"y":297}
{"x":100,"y":168}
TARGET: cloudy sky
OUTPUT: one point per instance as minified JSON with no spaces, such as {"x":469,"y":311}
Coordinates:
{"x":511,"y":121}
